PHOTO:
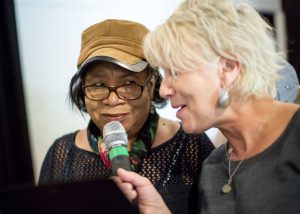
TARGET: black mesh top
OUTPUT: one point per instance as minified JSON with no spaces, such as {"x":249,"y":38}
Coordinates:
{"x":172,"y":167}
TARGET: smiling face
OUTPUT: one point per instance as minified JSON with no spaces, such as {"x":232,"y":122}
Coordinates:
{"x":195,"y":95}
{"x":132,"y":113}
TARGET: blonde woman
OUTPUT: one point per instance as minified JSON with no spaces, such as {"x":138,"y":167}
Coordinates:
{"x":221,"y":68}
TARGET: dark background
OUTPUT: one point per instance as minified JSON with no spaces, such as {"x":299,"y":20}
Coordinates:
{"x":15,"y":155}
{"x":291,"y":10}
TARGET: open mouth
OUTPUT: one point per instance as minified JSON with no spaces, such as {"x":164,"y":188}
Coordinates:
{"x":179,"y":107}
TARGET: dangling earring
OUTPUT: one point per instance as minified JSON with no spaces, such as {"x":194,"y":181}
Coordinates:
{"x":152,"y":109}
{"x":224,"y":98}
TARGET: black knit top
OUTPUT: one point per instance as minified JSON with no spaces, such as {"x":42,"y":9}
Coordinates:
{"x":172,"y":167}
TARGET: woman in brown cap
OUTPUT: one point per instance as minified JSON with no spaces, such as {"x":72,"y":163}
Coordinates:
{"x":114,"y":82}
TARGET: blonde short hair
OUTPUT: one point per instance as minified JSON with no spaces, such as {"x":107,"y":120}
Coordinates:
{"x":207,"y":30}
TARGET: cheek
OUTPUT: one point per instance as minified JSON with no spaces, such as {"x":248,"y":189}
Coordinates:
{"x":140,"y":110}
{"x":94,"y":111}
{"x":204,"y":95}
{"x":91,"y":106}
{"x":141,"y":107}
{"x":202,"y":113}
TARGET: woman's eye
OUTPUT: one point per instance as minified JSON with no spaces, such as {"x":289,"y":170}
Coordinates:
{"x":130,"y":83}
{"x":98,"y":84}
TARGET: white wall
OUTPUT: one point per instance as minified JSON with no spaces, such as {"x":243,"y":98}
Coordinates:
{"x":49,"y":39}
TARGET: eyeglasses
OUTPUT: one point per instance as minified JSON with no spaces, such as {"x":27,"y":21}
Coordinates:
{"x":98,"y":92}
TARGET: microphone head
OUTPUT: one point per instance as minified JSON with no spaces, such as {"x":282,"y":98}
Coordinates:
{"x":114,"y":134}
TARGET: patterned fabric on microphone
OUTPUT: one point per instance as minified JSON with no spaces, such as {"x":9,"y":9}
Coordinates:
{"x":172,"y":167}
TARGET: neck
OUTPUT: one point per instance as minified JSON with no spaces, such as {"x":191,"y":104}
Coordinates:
{"x":131,"y":141}
{"x":247,"y":127}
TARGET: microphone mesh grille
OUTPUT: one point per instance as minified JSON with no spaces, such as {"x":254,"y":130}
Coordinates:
{"x":112,"y":132}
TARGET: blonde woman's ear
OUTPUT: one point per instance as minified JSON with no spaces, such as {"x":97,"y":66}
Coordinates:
{"x":229,"y":71}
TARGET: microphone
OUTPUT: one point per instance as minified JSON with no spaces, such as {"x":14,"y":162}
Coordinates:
{"x":115,"y":139}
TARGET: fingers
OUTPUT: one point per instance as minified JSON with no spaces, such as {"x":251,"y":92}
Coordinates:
{"x":127,"y":188}
{"x":133,"y":178}
{"x":133,"y":185}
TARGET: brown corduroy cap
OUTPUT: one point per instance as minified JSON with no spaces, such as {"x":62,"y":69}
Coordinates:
{"x":115,"y":41}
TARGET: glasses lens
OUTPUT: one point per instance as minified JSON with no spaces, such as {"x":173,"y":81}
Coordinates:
{"x":96,"y":92}
{"x":130,"y":91}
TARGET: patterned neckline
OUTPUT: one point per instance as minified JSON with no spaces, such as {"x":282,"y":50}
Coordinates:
{"x":139,"y":149}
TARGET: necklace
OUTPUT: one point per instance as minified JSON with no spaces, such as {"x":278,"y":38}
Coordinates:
{"x":226,"y":188}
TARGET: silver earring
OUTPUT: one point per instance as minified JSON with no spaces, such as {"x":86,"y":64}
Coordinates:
{"x":224,"y":98}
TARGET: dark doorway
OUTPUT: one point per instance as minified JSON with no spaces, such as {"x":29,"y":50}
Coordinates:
{"x":15,"y":156}
{"x":291,"y":10}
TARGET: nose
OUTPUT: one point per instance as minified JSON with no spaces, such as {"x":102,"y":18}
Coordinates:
{"x":166,"y":89}
{"x":113,"y":99}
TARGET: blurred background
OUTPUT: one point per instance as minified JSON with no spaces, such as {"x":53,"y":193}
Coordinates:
{"x":42,"y":38}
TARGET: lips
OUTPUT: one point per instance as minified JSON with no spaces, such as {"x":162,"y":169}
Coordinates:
{"x":179,"y":109}
{"x":114,"y":117}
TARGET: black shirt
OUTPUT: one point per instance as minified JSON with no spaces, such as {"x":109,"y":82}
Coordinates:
{"x":173,"y":167}
{"x":267,"y":183}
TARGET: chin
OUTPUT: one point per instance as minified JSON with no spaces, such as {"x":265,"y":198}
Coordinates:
{"x":188,"y":128}
{"x":193,"y":128}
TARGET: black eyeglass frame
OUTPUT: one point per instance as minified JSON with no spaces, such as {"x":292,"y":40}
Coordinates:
{"x":115,"y":88}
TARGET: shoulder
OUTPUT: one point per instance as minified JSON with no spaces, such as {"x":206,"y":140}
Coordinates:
{"x":294,"y":120}
{"x":66,"y":140}
{"x":286,"y":112}
{"x":81,"y":141}
{"x":217,"y":156}
{"x":286,"y":117}
{"x":291,"y":138}
{"x":171,"y":126}
{"x":62,"y":147}
{"x":58,"y":152}
{"x":166,"y":129}
{"x":171,"y":131}
{"x":297,"y":112}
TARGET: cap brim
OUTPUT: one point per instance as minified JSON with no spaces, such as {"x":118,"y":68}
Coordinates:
{"x":118,"y":57}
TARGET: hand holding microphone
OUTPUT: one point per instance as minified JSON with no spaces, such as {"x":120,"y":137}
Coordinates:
{"x":115,"y":139}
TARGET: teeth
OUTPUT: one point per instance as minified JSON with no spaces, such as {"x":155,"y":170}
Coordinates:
{"x":179,"y":108}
